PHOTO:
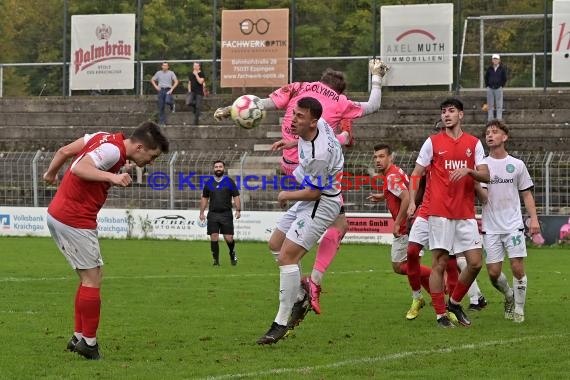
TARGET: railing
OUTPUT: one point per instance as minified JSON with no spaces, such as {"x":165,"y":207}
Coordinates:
{"x":152,"y":66}
{"x":21,"y":181}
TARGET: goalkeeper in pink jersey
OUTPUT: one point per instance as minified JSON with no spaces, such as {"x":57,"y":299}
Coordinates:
{"x":336,"y":108}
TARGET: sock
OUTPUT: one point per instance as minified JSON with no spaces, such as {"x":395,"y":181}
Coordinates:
{"x":519,"y":287}
{"x":327,"y":249}
{"x":425,"y":272}
{"x":90,"y":341}
{"x":301,"y":291}
{"x":90,"y":308}
{"x":502,"y":285}
{"x":416,"y":294}
{"x":474,"y":292}
{"x":215,"y":247}
{"x":289,"y":283}
{"x":452,"y":274}
{"x":78,"y":327}
{"x":459,"y":292}
{"x":317,"y":277}
{"x":414,"y":271}
{"x":438,"y":301}
{"x":275,"y":255}
{"x":231,"y":246}
{"x":342,"y":138}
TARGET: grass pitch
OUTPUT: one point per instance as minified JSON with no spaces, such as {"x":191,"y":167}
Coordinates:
{"x":168,"y":313}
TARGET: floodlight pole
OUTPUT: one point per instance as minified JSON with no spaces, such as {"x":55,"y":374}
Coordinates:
{"x":214,"y":42}
{"x":138,"y":66}
{"x":545,"y":47}
{"x":457,"y":55}
{"x":64,"y":49}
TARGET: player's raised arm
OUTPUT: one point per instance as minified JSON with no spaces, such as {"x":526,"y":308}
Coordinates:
{"x":224,"y":112}
{"x":378,"y":69}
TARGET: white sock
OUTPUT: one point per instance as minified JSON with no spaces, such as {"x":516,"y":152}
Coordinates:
{"x":416,"y":294}
{"x":473,"y":292}
{"x":78,"y":335}
{"x":317,"y":277}
{"x":519,"y":287}
{"x":90,"y":341}
{"x":289,"y":283}
{"x":503,"y":286}
{"x":300,"y":291}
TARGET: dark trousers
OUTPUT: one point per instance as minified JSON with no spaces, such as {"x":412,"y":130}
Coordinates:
{"x":195,"y":104}
{"x":163,"y":99}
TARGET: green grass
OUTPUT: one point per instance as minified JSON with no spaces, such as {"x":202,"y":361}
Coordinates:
{"x":168,"y":314}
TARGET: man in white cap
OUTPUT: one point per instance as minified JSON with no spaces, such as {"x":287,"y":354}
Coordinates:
{"x":495,"y":80}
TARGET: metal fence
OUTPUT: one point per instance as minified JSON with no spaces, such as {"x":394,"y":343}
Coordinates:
{"x":178,"y":176}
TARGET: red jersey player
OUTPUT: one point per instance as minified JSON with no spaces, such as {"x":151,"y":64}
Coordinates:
{"x":457,"y":160}
{"x":395,"y":192}
{"x":72,"y":214}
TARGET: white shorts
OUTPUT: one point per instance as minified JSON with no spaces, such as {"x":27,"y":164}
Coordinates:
{"x":306,"y":221}
{"x":400,"y":249}
{"x":419,"y":233}
{"x":453,"y":235}
{"x":496,"y":244}
{"x":80,"y":247}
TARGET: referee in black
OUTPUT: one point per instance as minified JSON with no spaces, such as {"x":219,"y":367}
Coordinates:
{"x":220,"y":191}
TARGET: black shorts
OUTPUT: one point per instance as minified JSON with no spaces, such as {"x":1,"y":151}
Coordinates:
{"x":220,"y":223}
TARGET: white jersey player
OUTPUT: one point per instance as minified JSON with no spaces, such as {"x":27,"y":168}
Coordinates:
{"x":317,"y":206}
{"x":503,"y":229}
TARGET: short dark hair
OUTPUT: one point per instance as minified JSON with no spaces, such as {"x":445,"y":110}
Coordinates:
{"x":378,"y":147}
{"x":219,"y":162}
{"x":150,"y":135}
{"x":499,"y":124}
{"x":452,"y":102}
{"x":313,"y":105}
{"x":334,"y":79}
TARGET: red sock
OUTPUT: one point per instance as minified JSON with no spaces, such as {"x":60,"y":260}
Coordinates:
{"x":78,"y":326}
{"x":90,"y":308}
{"x":404,"y":268}
{"x":438,"y":300}
{"x":452,"y":274}
{"x":460,"y":291}
{"x":414,"y":270}
{"x":424,"y":276}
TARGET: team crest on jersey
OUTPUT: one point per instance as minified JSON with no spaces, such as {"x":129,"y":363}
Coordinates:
{"x":510,"y":168}
{"x":468,"y":152}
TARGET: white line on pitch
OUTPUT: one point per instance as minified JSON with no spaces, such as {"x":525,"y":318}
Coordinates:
{"x":382,"y":358}
{"x":166,"y":277}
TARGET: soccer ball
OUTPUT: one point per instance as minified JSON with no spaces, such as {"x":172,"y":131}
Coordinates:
{"x":247,"y":111}
{"x":202,"y":223}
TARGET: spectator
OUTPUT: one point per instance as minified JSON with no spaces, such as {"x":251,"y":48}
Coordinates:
{"x":164,"y":81}
{"x":196,"y":82}
{"x":495,"y":80}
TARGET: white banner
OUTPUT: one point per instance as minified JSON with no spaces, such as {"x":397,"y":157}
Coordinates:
{"x":183,"y":224}
{"x":102,"y":52}
{"x":561,"y":41}
{"x":416,"y":41}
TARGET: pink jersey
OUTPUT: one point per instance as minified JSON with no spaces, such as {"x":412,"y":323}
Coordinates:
{"x":396,"y":182}
{"x":335,"y":107}
{"x":455,"y":200}
{"x":77,"y":202}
